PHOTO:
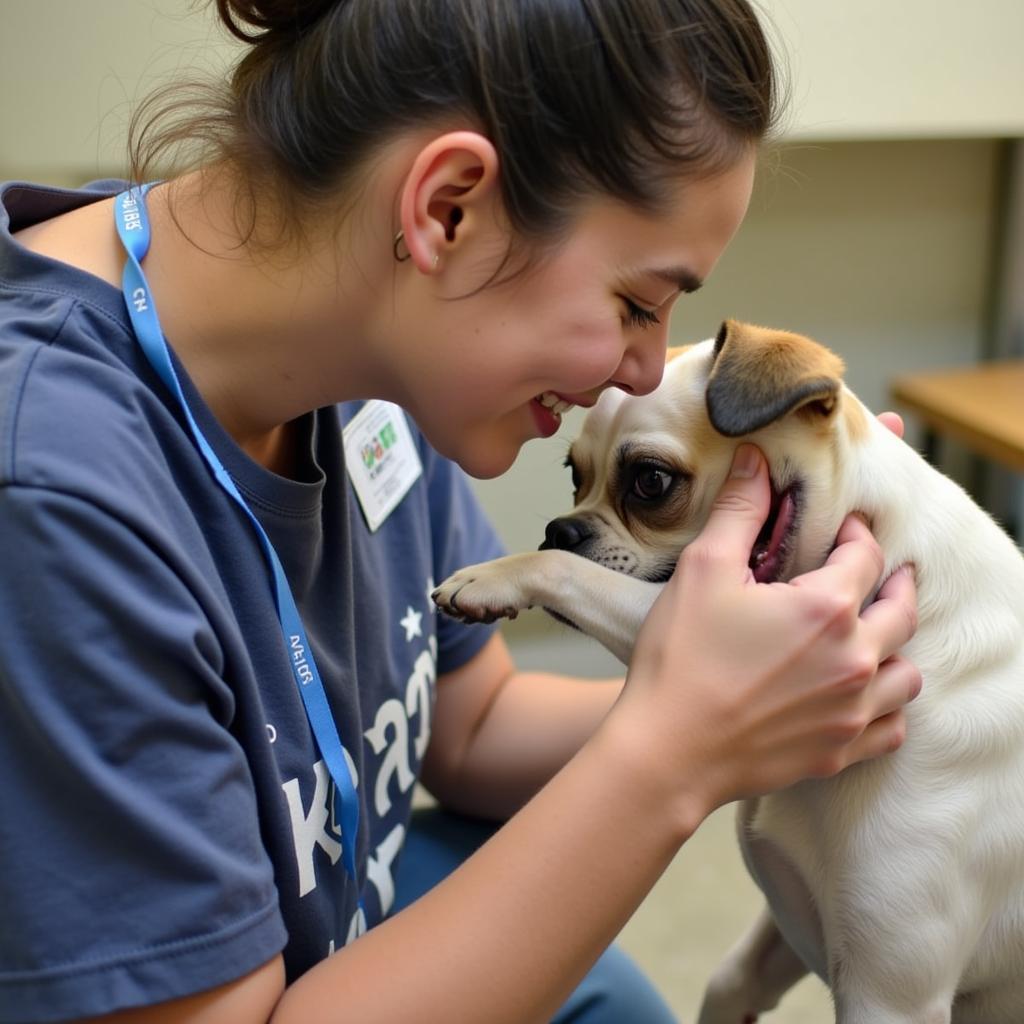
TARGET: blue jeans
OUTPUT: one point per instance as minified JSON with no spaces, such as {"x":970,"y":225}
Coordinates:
{"x":613,"y":992}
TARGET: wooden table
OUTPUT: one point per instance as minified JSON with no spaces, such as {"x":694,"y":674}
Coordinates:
{"x":981,"y":406}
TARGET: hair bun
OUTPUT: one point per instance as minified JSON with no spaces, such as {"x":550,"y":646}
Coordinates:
{"x":252,"y":20}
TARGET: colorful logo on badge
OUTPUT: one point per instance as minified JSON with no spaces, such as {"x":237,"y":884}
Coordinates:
{"x":377,"y":447}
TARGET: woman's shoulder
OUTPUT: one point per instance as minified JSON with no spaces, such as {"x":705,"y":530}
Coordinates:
{"x":79,"y":419}
{"x":37,"y":291}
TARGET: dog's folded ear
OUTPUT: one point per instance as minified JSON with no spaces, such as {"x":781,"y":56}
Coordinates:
{"x":759,"y":375}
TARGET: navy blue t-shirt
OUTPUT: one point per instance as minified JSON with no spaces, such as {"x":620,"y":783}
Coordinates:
{"x":165,"y":818}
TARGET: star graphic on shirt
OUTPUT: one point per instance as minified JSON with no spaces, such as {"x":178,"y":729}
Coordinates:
{"x":412,"y":623}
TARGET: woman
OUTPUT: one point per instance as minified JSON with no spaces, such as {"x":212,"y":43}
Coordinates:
{"x":221,"y":673}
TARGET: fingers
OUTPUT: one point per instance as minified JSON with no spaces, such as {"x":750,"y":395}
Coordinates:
{"x":854,"y":566}
{"x":853,"y":570}
{"x":738,"y":513}
{"x":892,"y":616}
{"x":896,"y":683}
{"x":854,"y":528}
{"x":900,"y":585}
{"x":892,"y":420}
{"x":883,"y":736}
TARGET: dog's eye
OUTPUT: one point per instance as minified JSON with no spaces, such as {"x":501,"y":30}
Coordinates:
{"x":651,"y":483}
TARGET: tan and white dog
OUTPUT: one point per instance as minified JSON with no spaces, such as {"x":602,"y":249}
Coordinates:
{"x":900,"y":882}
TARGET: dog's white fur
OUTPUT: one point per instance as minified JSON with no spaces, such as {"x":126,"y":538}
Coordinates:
{"x":900,"y":881}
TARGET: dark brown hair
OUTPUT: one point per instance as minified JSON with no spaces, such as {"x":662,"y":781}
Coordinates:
{"x":579,"y":97}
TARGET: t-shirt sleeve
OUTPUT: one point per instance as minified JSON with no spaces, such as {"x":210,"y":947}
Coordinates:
{"x":133,"y":871}
{"x":462,"y":535}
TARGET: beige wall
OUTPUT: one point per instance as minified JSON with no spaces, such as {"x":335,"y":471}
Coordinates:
{"x":70,"y":71}
{"x":870,"y":69}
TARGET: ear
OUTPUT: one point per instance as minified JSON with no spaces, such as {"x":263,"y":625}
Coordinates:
{"x":760,"y":375}
{"x":451,"y":185}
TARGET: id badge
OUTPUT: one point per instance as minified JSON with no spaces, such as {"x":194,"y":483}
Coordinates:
{"x":381,"y":458}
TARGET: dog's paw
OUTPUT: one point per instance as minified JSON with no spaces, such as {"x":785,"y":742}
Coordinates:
{"x":482,"y":593}
{"x":726,"y":1006}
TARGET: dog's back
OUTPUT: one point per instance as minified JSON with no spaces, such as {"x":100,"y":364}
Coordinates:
{"x":914,"y":864}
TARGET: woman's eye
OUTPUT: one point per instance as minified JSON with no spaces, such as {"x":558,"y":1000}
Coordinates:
{"x":651,"y":483}
{"x":637,"y":316}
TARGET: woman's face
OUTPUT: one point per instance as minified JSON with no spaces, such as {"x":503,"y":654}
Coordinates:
{"x":479,"y":373}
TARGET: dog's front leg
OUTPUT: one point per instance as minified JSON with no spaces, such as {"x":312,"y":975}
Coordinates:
{"x":754,"y":976}
{"x":603,"y":603}
{"x":901,"y":996}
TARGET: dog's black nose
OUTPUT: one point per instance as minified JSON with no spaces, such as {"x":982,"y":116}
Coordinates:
{"x":565,"y":533}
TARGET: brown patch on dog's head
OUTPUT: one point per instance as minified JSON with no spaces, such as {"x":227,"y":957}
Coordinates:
{"x":856,"y":420}
{"x":674,"y":351}
{"x":759,"y":375}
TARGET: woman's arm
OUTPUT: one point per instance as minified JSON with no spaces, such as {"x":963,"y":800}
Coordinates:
{"x":498,"y":735}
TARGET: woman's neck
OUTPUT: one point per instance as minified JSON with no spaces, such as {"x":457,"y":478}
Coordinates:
{"x":264,"y":339}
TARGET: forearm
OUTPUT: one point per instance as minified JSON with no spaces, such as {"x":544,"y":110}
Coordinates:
{"x":537,"y":723}
{"x":508,"y":935}
{"x":498,"y":735}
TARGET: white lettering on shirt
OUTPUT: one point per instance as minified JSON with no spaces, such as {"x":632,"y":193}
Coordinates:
{"x":396,"y":760}
{"x":417,"y":697}
{"x":378,"y":867}
{"x":357,"y":926}
{"x":310,"y":831}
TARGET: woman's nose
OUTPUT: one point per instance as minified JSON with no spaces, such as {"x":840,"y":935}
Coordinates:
{"x":643,"y":362}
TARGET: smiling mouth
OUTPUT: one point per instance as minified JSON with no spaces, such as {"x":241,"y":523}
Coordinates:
{"x":553,"y":403}
{"x":774,"y":544}
{"x":548,"y":408}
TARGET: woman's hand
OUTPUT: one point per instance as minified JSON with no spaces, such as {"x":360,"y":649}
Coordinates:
{"x":760,"y":685}
{"x":892,"y":420}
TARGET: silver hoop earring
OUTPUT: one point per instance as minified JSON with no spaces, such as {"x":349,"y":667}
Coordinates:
{"x":399,"y":238}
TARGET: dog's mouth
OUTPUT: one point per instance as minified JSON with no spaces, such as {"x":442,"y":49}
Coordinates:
{"x":774,"y":544}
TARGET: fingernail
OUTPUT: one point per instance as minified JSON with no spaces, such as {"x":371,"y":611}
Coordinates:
{"x":745,"y":462}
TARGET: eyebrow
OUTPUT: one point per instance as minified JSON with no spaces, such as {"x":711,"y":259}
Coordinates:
{"x":684,"y":279}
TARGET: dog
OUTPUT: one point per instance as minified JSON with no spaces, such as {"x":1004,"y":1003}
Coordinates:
{"x":900,"y":881}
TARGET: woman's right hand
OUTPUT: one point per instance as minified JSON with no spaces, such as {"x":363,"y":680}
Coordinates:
{"x":750,"y":687}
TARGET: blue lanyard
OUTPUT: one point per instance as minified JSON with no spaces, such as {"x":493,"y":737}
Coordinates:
{"x":133,"y":229}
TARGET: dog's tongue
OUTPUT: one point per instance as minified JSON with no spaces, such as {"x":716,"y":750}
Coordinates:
{"x":767,"y":561}
{"x":782,"y":522}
